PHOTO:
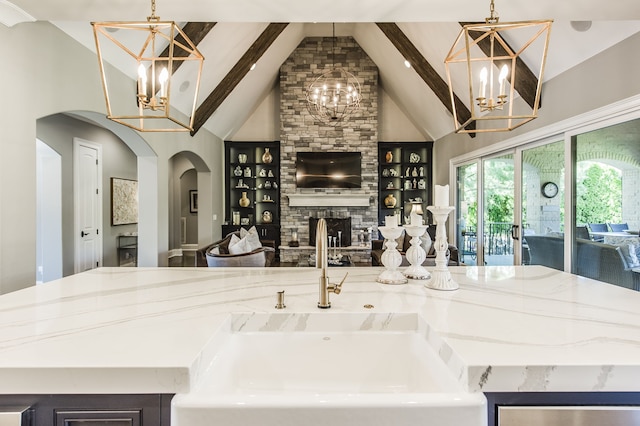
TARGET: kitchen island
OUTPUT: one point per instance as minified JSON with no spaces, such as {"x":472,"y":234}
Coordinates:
{"x":149,"y":331}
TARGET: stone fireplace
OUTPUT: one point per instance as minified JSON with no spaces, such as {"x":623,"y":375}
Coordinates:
{"x":299,"y":132}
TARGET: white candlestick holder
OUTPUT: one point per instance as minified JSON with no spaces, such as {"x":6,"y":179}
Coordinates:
{"x":441,"y":277}
{"x":391,"y":258}
{"x":416,"y":254}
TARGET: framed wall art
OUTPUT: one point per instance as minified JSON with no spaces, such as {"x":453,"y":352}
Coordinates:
{"x":124,"y":201}
{"x":193,"y":201}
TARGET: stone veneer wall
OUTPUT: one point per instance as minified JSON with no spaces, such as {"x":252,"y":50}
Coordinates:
{"x":299,"y":132}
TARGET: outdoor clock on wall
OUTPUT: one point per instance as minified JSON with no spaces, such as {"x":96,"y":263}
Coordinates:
{"x":549,"y":189}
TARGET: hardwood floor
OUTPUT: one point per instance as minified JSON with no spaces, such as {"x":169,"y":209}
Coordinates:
{"x":187,"y":259}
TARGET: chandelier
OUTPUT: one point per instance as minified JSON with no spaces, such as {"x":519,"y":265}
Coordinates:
{"x":335,"y":95}
{"x":495,"y":72}
{"x":152,"y":53}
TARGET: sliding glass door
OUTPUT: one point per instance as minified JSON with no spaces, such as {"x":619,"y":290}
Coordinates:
{"x":542,"y":201}
{"x":498,"y":186}
{"x":485,"y":211}
{"x":568,"y":199}
{"x":467,"y":213}
{"x":518,"y":193}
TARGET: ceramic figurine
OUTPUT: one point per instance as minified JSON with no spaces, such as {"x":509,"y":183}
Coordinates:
{"x":390,"y":201}
{"x":267,"y":157}
{"x":244,"y":201}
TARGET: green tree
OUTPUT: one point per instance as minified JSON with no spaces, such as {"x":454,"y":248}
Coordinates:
{"x":500,"y":208}
{"x":499,"y":176}
{"x":599,"y":195}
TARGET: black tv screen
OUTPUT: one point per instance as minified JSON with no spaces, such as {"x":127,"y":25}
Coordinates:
{"x":328,"y":169}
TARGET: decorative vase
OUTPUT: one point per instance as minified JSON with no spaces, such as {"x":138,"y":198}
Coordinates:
{"x":237,"y":171}
{"x":267,"y":216}
{"x":247,"y":172}
{"x":244,"y":201}
{"x":390,"y":201}
{"x":242,"y":158}
{"x":389,"y":156}
{"x":267,"y":157}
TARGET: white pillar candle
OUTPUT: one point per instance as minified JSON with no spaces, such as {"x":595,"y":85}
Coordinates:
{"x":390,"y":221}
{"x":441,"y":198}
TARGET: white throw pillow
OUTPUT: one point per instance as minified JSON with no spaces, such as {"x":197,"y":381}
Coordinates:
{"x":425,"y":242}
{"x":629,"y":254}
{"x":238,"y":246}
{"x":252,"y":237}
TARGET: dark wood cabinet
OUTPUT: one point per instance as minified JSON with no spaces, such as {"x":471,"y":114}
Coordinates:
{"x":127,"y":250}
{"x":405,"y":173}
{"x":99,"y":417}
{"x":252,"y":188}
{"x":90,"y":410}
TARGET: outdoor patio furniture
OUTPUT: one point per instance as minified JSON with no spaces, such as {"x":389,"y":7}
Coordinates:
{"x":602,"y":262}
{"x":582,"y":232}
{"x":618,"y":227}
{"x":598,"y":227}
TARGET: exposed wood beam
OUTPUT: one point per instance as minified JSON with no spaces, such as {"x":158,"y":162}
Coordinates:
{"x":526,"y":81}
{"x":426,"y":72}
{"x":237,"y":73}
{"x":196,"y":32}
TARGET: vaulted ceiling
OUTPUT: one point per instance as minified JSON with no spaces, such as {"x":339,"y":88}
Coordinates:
{"x":234,"y":35}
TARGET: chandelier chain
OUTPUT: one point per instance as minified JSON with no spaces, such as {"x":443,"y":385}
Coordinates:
{"x":493,"y":18}
{"x":333,"y":47}
{"x":153,"y":16}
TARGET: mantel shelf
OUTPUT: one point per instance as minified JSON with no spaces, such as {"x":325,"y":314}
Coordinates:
{"x":329,"y":200}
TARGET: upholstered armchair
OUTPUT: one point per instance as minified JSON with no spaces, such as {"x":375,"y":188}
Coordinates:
{"x":262,"y":256}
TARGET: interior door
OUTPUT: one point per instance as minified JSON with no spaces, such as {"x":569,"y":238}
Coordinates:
{"x":88,"y":206}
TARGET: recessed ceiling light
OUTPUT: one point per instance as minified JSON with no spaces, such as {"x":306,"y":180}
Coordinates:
{"x":253,"y":67}
{"x":407,"y":63}
{"x":581,"y":26}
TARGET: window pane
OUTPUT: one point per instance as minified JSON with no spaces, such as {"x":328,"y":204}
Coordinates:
{"x":608,"y":204}
{"x":543,"y":205}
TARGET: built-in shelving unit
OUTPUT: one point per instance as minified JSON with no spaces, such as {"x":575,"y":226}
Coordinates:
{"x":252,"y":182}
{"x":127,"y":250}
{"x":405,"y":171}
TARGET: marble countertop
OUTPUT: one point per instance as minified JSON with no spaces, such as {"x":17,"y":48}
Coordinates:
{"x":150,"y":330}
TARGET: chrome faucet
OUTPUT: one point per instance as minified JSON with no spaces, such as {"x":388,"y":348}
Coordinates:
{"x":322,"y":260}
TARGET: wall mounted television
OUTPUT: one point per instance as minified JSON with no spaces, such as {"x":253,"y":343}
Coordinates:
{"x":328,"y":169}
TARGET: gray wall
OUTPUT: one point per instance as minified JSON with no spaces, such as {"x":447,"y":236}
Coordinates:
{"x":601,"y":80}
{"x":118,"y":160}
{"x":50,"y":73}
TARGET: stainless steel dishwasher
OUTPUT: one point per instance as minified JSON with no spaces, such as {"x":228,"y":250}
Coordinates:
{"x":568,"y":416}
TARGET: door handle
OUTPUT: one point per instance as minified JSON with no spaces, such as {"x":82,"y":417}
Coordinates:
{"x":514,"y":232}
{"x":82,"y":233}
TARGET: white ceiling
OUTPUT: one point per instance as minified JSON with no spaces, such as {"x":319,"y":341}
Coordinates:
{"x":430,"y":24}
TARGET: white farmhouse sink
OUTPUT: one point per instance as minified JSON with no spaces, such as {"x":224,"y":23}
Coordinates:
{"x":319,"y":369}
